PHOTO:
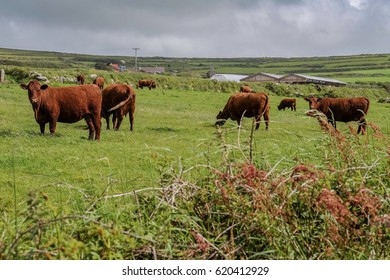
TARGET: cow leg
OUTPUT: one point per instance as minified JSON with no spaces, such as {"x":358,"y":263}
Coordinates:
{"x":107,"y":123}
{"x":258,"y":120}
{"x":362,"y":126}
{"x":119,"y":119}
{"x":42,"y":128}
{"x":131,"y":118}
{"x":114,"y":120}
{"x":266,"y":118}
{"x":97,"y":125}
{"x":107,"y":117}
{"x":52,"y":126}
{"x":90,"y":127}
{"x":333,"y":123}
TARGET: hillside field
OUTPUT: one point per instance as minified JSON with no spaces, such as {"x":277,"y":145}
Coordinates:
{"x":353,"y":69}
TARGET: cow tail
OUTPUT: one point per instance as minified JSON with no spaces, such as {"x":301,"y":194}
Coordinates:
{"x":368,"y":105}
{"x":266,"y":107}
{"x":121,"y":103}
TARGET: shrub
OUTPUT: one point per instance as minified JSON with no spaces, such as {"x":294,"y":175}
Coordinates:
{"x":16,"y":74}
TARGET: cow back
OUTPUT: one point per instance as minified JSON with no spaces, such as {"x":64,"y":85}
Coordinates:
{"x":114,"y":94}
{"x":71,"y":103}
{"x":247,"y":105}
{"x":344,"y":109}
{"x":245,"y":89}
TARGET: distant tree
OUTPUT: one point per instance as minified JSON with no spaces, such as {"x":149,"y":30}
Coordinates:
{"x":102,"y":66}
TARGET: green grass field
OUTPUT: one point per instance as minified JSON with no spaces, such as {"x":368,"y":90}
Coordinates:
{"x":153,"y":192}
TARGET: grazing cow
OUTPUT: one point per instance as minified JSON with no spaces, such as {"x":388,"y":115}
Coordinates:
{"x":80,"y":79}
{"x":121,"y":99}
{"x":245,"y":89}
{"x":99,"y":81}
{"x":65,"y":104}
{"x":146,"y":83}
{"x":288,"y":103}
{"x":244,"y":104}
{"x":342,"y":109}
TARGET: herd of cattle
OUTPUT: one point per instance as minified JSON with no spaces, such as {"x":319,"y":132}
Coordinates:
{"x":248,"y":103}
{"x":92,"y":102}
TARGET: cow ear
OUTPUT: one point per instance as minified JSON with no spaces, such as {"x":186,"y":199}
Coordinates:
{"x":23,"y":86}
{"x":319,"y":99}
{"x":43,"y":87}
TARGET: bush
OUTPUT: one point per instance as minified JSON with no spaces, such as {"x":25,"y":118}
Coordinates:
{"x":16,"y":74}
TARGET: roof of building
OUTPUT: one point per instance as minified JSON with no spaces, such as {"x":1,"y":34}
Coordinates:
{"x":272,"y":76}
{"x":315,"y":79}
{"x":228,"y":77}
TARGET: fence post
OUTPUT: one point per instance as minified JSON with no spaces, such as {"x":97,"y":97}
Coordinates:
{"x":2,"y":75}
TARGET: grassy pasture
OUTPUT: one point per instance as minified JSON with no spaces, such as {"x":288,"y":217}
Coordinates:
{"x":156,"y":192}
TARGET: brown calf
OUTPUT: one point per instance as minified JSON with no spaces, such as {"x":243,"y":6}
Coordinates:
{"x":80,"y":79}
{"x":99,"y":81}
{"x":146,"y":83}
{"x":245,"y":89}
{"x":288,"y":103}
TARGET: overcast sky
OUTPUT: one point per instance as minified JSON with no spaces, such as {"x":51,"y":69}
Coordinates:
{"x":198,"y":28}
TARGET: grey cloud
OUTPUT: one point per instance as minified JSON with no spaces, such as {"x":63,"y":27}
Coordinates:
{"x":212,"y":28}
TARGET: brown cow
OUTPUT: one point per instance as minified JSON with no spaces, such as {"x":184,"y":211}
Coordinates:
{"x":288,"y":103}
{"x":342,"y":109}
{"x":80,"y":79}
{"x":245,"y":89}
{"x":244,"y":104}
{"x":121,"y":99}
{"x":65,"y":104}
{"x":146,"y":83}
{"x":99,"y":81}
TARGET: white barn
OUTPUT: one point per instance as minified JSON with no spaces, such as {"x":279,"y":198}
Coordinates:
{"x":228,"y":77}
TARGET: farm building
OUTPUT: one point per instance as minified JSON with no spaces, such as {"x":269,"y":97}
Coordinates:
{"x":305,"y":79}
{"x":228,"y":77}
{"x":287,"y":79}
{"x":262,"y":77}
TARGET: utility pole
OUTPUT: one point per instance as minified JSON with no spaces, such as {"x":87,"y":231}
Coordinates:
{"x":135,"y":67}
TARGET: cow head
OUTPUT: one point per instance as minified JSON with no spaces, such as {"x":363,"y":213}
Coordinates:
{"x":314,"y":102}
{"x":221,"y":119}
{"x":34,"y":89}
